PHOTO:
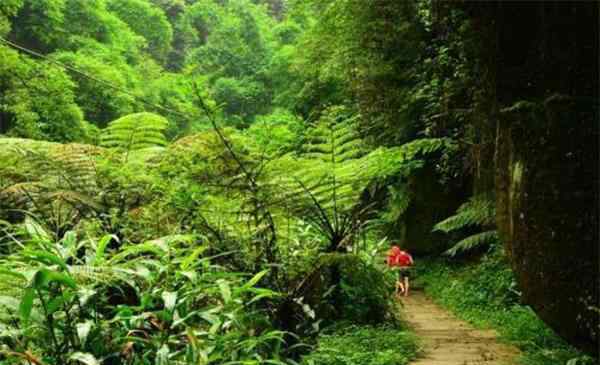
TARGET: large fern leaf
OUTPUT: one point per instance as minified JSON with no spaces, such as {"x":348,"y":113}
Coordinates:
{"x":477,"y":211}
{"x":50,"y":176}
{"x":472,"y":242}
{"x":135,"y":131}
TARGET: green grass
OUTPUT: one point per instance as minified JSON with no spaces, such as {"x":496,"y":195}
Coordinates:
{"x":485,"y":294}
{"x":349,"y":344}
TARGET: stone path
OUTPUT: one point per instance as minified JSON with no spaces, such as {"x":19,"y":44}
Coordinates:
{"x":450,"y":341}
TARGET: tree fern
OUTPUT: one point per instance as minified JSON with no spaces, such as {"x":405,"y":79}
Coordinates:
{"x":75,"y":166}
{"x":400,"y":160}
{"x":317,"y":184}
{"x":326,"y":180}
{"x":134,"y":132}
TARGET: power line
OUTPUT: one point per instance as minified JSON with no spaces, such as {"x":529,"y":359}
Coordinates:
{"x":67,"y":67}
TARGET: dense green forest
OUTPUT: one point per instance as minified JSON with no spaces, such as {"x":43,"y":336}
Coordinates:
{"x":218,"y":181}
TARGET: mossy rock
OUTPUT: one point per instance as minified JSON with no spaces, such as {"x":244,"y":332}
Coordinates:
{"x":547,"y":211}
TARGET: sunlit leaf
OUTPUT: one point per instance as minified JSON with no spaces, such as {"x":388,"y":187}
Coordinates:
{"x":83,"y":330}
{"x":225,"y":290}
{"x":169,"y":298}
{"x":85,"y":358}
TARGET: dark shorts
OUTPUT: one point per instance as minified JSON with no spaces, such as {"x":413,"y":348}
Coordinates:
{"x":404,"y":273}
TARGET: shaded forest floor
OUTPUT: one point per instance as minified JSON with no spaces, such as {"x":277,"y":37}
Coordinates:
{"x":450,"y":341}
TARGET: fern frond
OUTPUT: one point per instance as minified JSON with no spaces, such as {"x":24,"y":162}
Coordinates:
{"x":398,"y":203}
{"x":401,"y":160}
{"x":477,"y":211}
{"x":74,"y":199}
{"x":75,"y":165}
{"x":147,"y":156}
{"x":135,"y":131}
{"x":20,"y":195}
{"x":472,"y":242}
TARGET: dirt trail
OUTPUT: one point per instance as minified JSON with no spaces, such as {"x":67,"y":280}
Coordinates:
{"x":450,"y":341}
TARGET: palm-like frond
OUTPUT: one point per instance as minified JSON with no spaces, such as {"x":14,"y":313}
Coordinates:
{"x":478,"y":211}
{"x":135,"y":131}
{"x":51,"y":179}
{"x":472,"y":242}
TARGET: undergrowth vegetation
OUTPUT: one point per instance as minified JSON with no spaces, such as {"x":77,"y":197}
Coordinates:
{"x":348,"y":344}
{"x":96,"y":301}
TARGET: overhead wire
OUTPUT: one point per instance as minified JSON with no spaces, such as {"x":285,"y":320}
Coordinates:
{"x":73,"y":69}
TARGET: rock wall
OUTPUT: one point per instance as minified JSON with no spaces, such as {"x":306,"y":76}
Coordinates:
{"x":543,"y":58}
{"x":547,"y":212}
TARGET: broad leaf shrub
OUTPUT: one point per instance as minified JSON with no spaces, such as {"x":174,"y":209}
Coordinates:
{"x":162,"y":301}
{"x":363,"y":345}
{"x":485,"y":293}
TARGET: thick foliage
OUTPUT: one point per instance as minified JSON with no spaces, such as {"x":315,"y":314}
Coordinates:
{"x":158,"y":302}
{"x":285,"y":131}
{"x":37,"y":101}
{"x":149,"y":22}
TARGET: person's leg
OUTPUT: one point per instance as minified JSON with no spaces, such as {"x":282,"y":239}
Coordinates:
{"x":399,"y":284}
{"x":406,"y":286}
{"x":400,"y":287}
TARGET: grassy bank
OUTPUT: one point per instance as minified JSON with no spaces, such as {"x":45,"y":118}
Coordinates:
{"x":349,"y":344}
{"x":485,"y":293}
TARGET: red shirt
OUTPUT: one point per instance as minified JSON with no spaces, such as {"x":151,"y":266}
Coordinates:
{"x":397,"y":257}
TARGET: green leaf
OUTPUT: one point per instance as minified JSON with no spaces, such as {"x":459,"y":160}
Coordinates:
{"x":101,"y":249}
{"x":138,"y":249}
{"x":162,"y":356}
{"x":255,"y":279}
{"x":225,"y":290}
{"x":36,"y":231}
{"x":26,"y":304}
{"x":472,"y":242}
{"x":55,"y":303}
{"x":46,"y":258}
{"x":13,"y":274}
{"x":44,"y":277}
{"x":258,"y":297}
{"x":191,"y":259}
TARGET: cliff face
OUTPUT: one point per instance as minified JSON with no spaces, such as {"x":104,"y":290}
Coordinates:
{"x":543,"y":58}
{"x":547,"y":199}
